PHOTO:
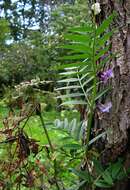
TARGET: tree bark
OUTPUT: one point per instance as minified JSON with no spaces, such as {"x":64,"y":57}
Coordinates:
{"x":118,"y":120}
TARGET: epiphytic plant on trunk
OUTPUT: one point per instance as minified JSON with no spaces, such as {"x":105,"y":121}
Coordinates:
{"x":88,"y":52}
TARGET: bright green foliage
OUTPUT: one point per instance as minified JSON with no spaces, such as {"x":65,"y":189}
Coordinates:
{"x":73,"y":128}
{"x":86,"y":47}
{"x":68,"y":15}
{"x":74,"y":132}
{"x":26,"y":60}
{"x":4,"y":32}
{"x":36,"y":55}
{"x":25,"y":16}
{"x":88,"y":50}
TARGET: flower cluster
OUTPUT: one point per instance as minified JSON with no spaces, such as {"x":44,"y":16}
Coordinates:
{"x":32,"y":83}
{"x":104,"y":107}
{"x":26,"y":84}
{"x":105,"y":75}
{"x":96,"y":8}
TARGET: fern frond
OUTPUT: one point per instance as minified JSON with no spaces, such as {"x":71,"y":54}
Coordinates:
{"x":72,"y":95}
{"x":74,"y":102}
{"x":74,"y":128}
{"x":105,"y":25}
{"x":89,"y":45}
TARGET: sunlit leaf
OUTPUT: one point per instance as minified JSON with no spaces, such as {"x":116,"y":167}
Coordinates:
{"x":68,"y":80}
{"x":74,"y":102}
{"x":75,"y":56}
{"x":77,"y":38}
{"x":68,"y":87}
{"x":71,"y":95}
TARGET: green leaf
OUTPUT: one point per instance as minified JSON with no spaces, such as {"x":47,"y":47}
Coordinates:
{"x":97,"y":137}
{"x":75,"y":57}
{"x":122,"y":174}
{"x":66,"y":123}
{"x":107,"y":59}
{"x":58,"y":123}
{"x":100,"y":183}
{"x":77,"y":133}
{"x":102,"y":52}
{"x":116,"y":169}
{"x":66,"y":138}
{"x":68,"y":80}
{"x":82,"y":29}
{"x":100,"y":94}
{"x":75,"y":128}
{"x":72,"y":146}
{"x":73,"y":95}
{"x":78,"y":47}
{"x":102,"y":40}
{"x":74,"y":102}
{"x":77,"y":38}
{"x":82,"y":174}
{"x":84,"y":76}
{"x":73,"y":125}
{"x":69,"y":73}
{"x":103,"y":62}
{"x":69,"y":65}
{"x":87,"y":81}
{"x":68,"y":87}
{"x":128,"y":170}
{"x":107,"y":178}
{"x":98,"y":167}
{"x":81,"y":184}
{"x":89,"y":90}
{"x":104,"y":26}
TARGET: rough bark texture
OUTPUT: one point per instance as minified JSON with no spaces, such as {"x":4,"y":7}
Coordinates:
{"x":118,"y":120}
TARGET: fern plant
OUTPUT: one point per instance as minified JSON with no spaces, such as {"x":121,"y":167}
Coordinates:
{"x":75,"y":131}
{"x":87,"y":49}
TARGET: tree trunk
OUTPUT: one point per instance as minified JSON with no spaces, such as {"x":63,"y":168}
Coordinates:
{"x":118,"y":120}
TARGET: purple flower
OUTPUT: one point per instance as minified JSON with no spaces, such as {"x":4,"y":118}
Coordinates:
{"x":104,"y":76}
{"x":104,"y":107}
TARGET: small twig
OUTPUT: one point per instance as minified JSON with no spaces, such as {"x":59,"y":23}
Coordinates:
{"x":29,"y":115}
{"x":51,"y":147}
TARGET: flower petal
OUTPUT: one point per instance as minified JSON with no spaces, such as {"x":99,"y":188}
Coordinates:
{"x":104,"y":76}
{"x":104,"y":107}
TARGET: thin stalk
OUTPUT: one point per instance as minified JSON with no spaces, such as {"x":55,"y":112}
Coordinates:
{"x":52,"y":150}
{"x":93,"y":185}
{"x":89,"y":103}
{"x":46,"y":133}
{"x":29,"y":115}
{"x":93,"y":92}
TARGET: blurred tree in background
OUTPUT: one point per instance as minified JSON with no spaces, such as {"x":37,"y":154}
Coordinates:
{"x":31,"y":31}
{"x":23,"y":15}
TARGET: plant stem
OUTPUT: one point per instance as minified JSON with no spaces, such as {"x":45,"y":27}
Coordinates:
{"x":46,"y":133}
{"x":93,"y":92}
{"x":52,"y":150}
{"x":89,"y":104}
{"x":93,"y":185}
